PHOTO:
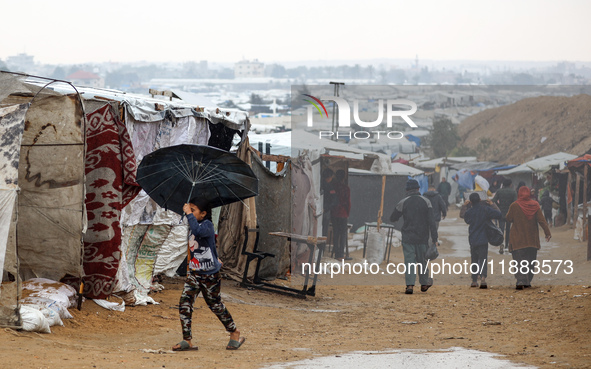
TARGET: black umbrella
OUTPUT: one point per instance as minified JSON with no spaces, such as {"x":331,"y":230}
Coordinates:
{"x":173,"y":175}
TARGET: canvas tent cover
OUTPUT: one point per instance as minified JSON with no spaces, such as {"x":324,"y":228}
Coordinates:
{"x":60,"y":178}
{"x":540,"y":165}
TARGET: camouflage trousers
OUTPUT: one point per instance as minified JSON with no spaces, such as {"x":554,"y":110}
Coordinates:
{"x":209,"y":286}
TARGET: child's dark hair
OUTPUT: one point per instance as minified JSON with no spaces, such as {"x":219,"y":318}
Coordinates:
{"x":203,"y":205}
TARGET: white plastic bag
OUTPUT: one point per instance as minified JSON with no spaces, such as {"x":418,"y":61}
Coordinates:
{"x":33,"y":320}
{"x":111,"y":305}
{"x":376,"y":245}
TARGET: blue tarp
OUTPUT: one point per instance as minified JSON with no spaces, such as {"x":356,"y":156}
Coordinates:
{"x":413,"y":138}
{"x":465,"y":178}
{"x":423,"y":182}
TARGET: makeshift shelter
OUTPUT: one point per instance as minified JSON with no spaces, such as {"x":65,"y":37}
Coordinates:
{"x":579,"y":169}
{"x":528,"y":172}
{"x":46,"y":167}
{"x":273,"y":207}
{"x":535,"y":173}
{"x":291,"y":200}
{"x":444,"y":167}
{"x":76,"y":166}
{"x":366,"y":190}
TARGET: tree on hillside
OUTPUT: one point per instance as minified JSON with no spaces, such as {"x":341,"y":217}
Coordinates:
{"x":443,"y":137}
{"x":256,"y":99}
{"x":462,"y":151}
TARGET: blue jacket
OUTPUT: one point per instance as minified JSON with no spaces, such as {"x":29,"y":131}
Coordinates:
{"x":204,"y":255}
{"x":476,"y":218}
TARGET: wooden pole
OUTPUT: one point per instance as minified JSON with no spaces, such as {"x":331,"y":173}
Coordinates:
{"x":569,"y":207}
{"x":381,"y":212}
{"x":585,"y":220}
{"x":576,"y":199}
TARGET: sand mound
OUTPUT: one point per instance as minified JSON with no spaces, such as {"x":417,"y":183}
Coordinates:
{"x":530,"y":128}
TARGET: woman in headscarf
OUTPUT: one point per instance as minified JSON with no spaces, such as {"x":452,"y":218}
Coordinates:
{"x":525,"y":214}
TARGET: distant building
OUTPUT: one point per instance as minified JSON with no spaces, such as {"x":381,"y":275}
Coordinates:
{"x":21,"y":62}
{"x":83,"y":78}
{"x":249,"y":69}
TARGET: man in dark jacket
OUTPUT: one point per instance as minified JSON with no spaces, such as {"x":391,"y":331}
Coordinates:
{"x":503,"y":198}
{"x":444,"y":190}
{"x":418,"y":224}
{"x":437,"y":204}
{"x":476,"y":214}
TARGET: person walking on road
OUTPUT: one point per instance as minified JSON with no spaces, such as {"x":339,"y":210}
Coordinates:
{"x":503,"y":198}
{"x":476,"y":213}
{"x":419,"y":223}
{"x":546,"y":203}
{"x":525,"y":215}
{"x":444,"y":189}
{"x":437,"y":205}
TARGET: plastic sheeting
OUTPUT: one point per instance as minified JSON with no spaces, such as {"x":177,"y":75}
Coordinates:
{"x":51,"y":178}
{"x":173,"y":251}
{"x":11,"y":132}
{"x":233,"y":218}
{"x":540,"y":165}
{"x":366,"y":197}
{"x":273,"y":215}
{"x":154,"y":239}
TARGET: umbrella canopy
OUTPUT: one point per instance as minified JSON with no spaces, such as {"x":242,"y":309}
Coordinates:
{"x":173,"y":175}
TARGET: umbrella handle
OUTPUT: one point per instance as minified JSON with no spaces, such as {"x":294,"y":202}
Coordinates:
{"x":189,"y":199}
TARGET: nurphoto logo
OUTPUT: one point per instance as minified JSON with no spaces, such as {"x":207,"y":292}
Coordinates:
{"x":344,"y":116}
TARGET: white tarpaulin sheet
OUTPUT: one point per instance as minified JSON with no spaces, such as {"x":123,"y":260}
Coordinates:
{"x":7,"y":201}
{"x":11,"y":132}
{"x":540,"y":165}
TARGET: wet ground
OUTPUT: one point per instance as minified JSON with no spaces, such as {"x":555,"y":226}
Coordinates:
{"x":452,"y":358}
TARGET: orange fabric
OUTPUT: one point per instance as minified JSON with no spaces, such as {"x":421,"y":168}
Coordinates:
{"x":528,"y":205}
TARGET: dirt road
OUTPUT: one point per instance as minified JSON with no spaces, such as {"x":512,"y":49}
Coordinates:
{"x":547,"y":325}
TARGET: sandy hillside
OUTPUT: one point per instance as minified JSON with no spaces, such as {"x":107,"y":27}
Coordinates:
{"x":516,"y":131}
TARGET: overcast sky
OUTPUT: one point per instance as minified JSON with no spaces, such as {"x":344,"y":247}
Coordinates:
{"x":69,"y":31}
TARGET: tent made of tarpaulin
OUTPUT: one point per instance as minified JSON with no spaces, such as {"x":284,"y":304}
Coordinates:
{"x":46,"y":238}
{"x":579,"y":162}
{"x":11,"y":130}
{"x":137,"y":239}
{"x":540,"y":165}
{"x":525,"y":172}
{"x":52,"y":169}
{"x":366,"y":190}
{"x":295,"y":142}
{"x":153,"y":240}
{"x":309,"y":156}
{"x":579,"y":169}
{"x":273,"y":207}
